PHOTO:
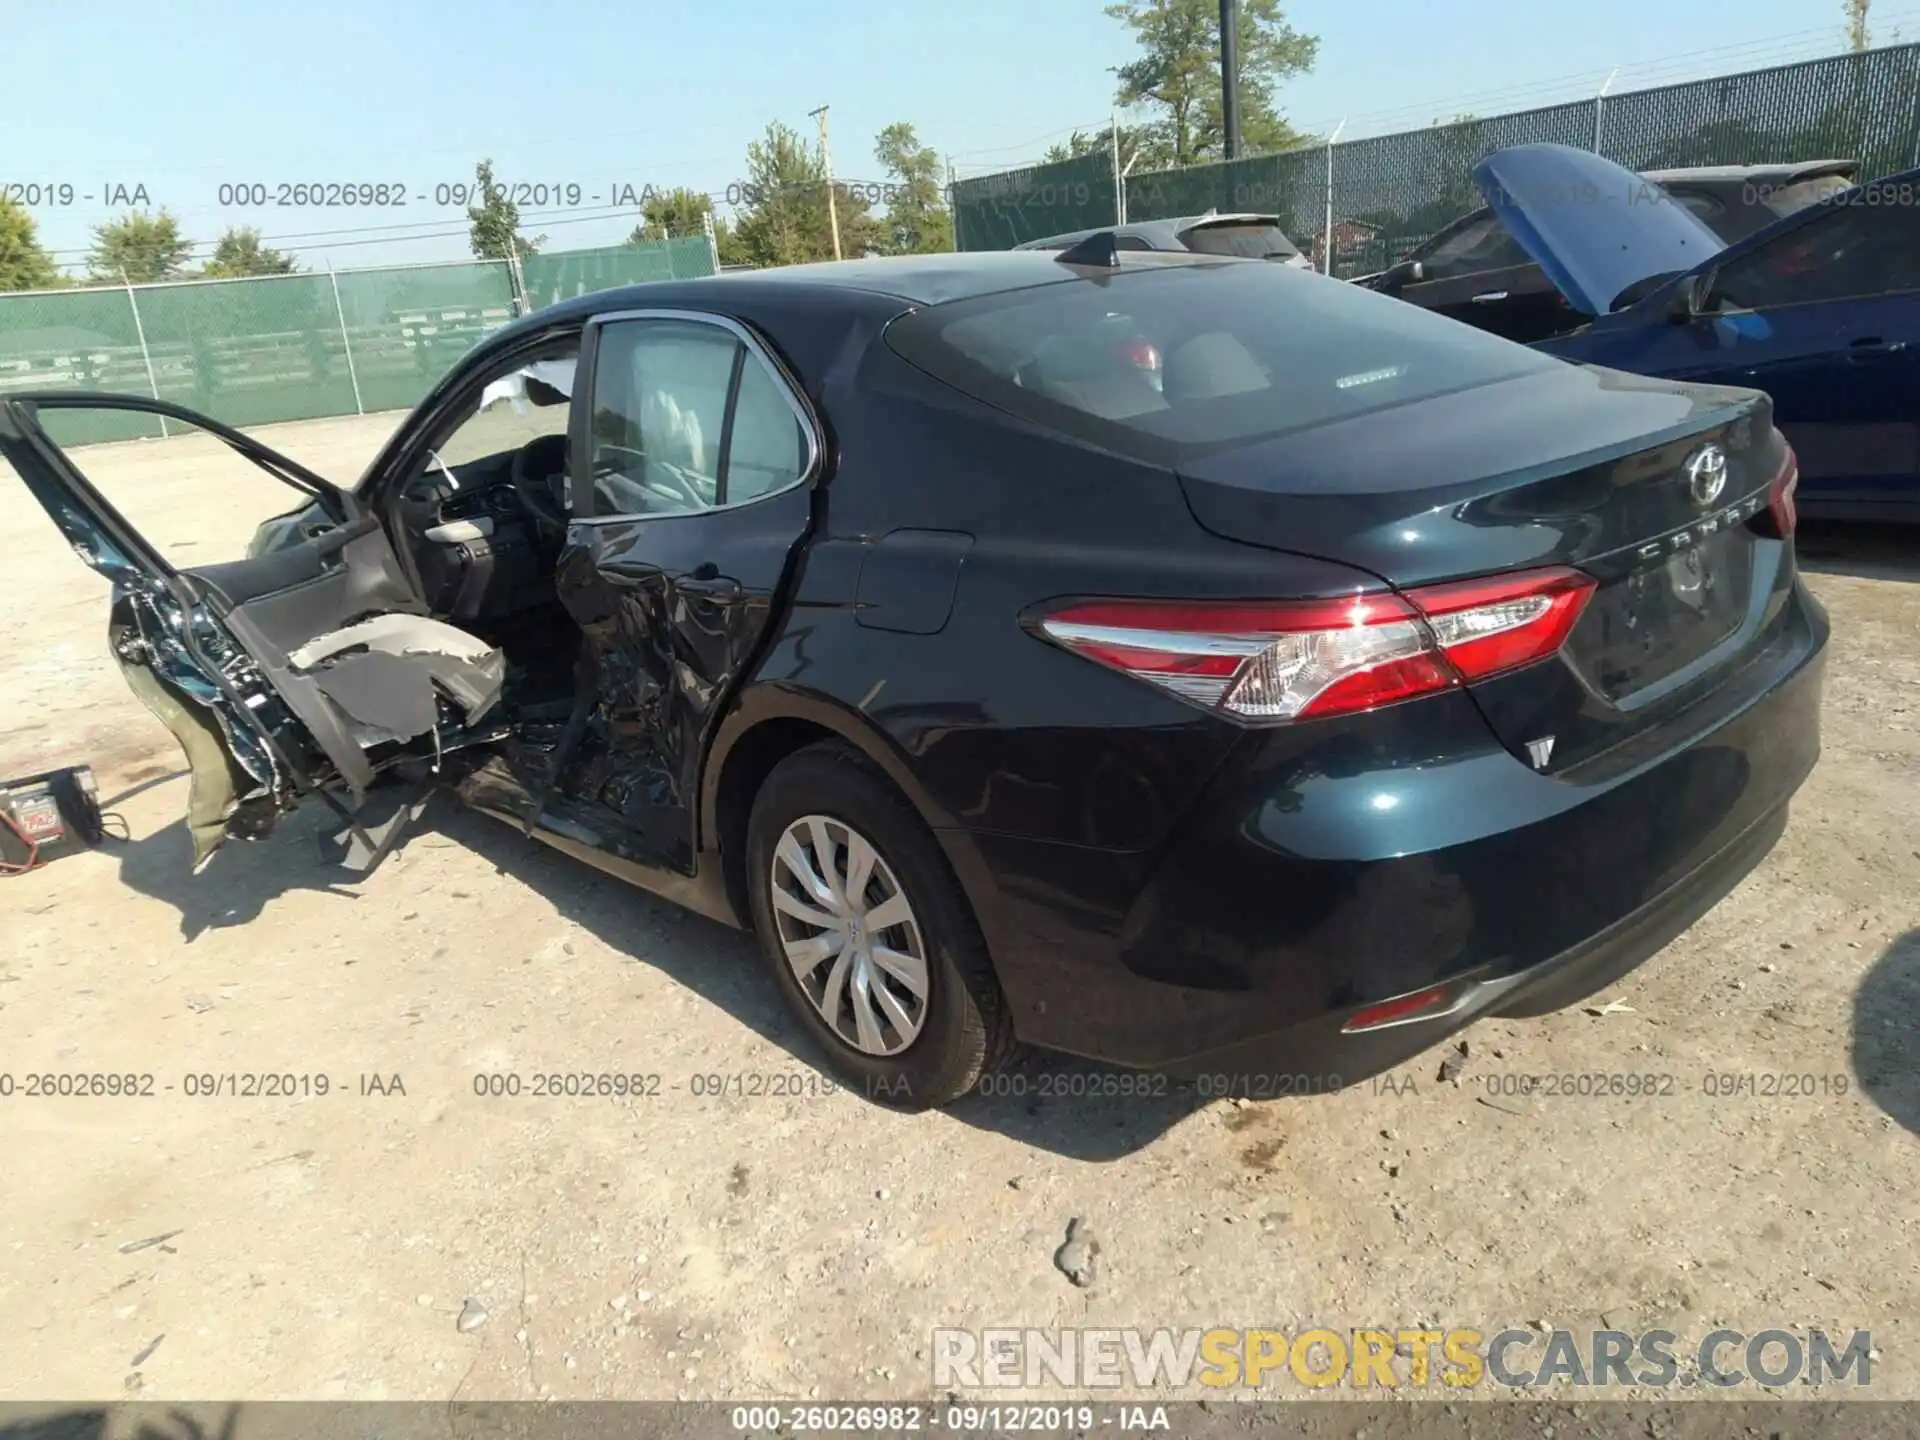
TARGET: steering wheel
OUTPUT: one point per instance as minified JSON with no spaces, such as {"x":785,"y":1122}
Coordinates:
{"x":535,"y":467}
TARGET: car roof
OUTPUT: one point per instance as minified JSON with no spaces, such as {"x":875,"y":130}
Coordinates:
{"x":877,"y":289}
{"x":899,"y":281}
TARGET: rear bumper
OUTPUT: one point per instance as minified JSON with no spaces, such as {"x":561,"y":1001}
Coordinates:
{"x":1408,"y":851}
{"x":1316,"y":1057}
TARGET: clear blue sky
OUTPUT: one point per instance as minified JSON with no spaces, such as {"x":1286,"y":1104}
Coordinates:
{"x":181,"y":98}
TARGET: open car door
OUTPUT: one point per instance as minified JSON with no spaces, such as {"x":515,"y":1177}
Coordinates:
{"x":305,"y":670}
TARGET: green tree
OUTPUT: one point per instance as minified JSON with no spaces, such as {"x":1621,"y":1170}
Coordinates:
{"x":1178,"y":75}
{"x":24,"y":263}
{"x":783,"y":219}
{"x":138,"y":248}
{"x":671,"y":212}
{"x":239,"y":252}
{"x":666,"y":213}
{"x":494,"y":224}
{"x":1100,"y":142}
{"x":917,"y":221}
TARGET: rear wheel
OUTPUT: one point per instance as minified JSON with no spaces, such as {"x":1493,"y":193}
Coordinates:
{"x":869,"y":937}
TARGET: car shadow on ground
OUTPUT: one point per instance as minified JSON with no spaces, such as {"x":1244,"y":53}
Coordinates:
{"x":1886,"y":1031}
{"x":1866,"y":551}
{"x":135,"y":1421}
{"x":1052,"y":1102}
{"x":240,"y":879}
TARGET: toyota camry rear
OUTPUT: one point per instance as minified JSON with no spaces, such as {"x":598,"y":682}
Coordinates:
{"x":1363,"y":674}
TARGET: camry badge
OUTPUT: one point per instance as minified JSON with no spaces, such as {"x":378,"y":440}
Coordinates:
{"x":1706,"y":474}
{"x":1540,"y":751}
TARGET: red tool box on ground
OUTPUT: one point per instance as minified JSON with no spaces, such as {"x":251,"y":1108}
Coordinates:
{"x":43,"y":817}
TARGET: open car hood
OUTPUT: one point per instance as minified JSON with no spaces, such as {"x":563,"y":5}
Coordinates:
{"x":1594,"y":227}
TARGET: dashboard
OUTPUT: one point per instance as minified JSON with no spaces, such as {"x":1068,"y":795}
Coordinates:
{"x":487,"y":532}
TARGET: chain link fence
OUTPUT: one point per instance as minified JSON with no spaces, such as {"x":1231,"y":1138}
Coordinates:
{"x":997,"y":212}
{"x":547,"y":279}
{"x":1377,"y":198}
{"x":295,"y":347}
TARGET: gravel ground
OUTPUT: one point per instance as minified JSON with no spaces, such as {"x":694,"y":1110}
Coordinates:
{"x":744,"y":1243}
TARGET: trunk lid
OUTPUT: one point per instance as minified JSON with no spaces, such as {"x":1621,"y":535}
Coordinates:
{"x":1595,"y":228}
{"x":1573,"y":466}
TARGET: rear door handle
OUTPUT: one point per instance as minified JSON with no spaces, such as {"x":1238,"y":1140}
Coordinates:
{"x":1873,"y":347}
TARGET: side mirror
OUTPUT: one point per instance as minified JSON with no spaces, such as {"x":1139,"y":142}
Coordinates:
{"x":1689,"y":300}
{"x":1406,"y":272}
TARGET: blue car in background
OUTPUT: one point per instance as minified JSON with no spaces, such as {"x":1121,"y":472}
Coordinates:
{"x":1821,"y":309}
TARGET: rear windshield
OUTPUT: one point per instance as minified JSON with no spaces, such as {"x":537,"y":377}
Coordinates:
{"x":1164,"y":361}
{"x":1250,"y":240}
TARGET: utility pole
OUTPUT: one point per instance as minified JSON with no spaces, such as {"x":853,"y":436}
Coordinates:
{"x":1230,"y":76}
{"x":952,"y":208}
{"x":826,"y":160}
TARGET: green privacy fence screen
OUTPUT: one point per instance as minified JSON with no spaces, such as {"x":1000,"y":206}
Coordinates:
{"x":293,"y":347}
{"x":550,"y":278}
{"x":997,"y":212}
{"x":1388,"y":193}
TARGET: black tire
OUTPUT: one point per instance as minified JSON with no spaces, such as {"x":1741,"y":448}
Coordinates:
{"x":965,"y":1031}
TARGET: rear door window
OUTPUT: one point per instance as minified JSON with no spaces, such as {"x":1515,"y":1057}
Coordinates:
{"x":1867,"y":246}
{"x":1482,"y":243}
{"x":1176,"y":360}
{"x":687,"y":416}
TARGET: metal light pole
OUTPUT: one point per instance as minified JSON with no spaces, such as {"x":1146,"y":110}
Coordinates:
{"x":1600,"y":107}
{"x":353,"y":374}
{"x":1230,"y":76}
{"x":1326,"y":267}
{"x":140,"y":333}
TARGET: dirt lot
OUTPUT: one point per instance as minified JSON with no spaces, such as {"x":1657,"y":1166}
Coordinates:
{"x":740,"y":1245}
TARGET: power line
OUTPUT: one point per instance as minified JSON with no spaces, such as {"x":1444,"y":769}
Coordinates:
{"x":1099,"y":124}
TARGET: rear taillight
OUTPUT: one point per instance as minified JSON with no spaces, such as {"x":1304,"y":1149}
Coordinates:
{"x":1780,"y":496}
{"x":1304,"y":659}
{"x":1420,"y":1005}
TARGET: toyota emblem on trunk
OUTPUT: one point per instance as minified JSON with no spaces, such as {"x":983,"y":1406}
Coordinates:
{"x":1706,"y":474}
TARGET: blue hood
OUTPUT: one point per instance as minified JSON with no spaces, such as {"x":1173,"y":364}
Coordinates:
{"x":1594,"y":227}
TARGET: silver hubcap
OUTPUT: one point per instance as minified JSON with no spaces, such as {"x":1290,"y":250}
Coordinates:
{"x":851,"y":937}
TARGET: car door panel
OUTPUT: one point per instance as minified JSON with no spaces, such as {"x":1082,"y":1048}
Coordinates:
{"x":216,"y":652}
{"x":675,"y":603}
{"x":1454,"y":292}
{"x":1845,"y":380}
{"x":347,"y":580}
{"x":674,"y":608}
